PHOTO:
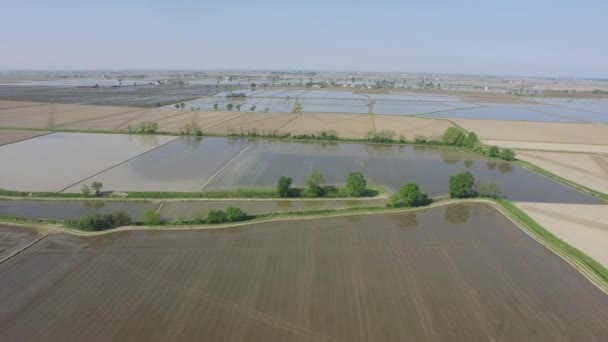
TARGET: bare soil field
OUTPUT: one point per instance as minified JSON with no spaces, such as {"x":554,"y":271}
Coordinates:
{"x":12,"y":239}
{"x":556,"y":147}
{"x":412,"y":127}
{"x":345,"y":125}
{"x":460,"y":273}
{"x":583,"y":226}
{"x":11,"y":136}
{"x":260,"y":122}
{"x":590,"y":170}
{"x":546,"y":132}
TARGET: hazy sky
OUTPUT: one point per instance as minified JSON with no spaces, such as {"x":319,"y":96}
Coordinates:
{"x":534,"y":37}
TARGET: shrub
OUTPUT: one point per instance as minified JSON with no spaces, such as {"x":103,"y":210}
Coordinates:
{"x":471,"y":140}
{"x":493,"y":152}
{"x":216,"y":216}
{"x":234,"y":214}
{"x":507,"y":155}
{"x":152,"y":218}
{"x":355,"y":184}
{"x":462,"y":185}
{"x":97,"y":222}
{"x":97,"y":187}
{"x":283,"y":186}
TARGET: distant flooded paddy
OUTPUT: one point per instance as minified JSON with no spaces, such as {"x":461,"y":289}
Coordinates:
{"x":457,"y":273}
{"x":125,"y":163}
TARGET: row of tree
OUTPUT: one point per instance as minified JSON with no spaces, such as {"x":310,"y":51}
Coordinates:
{"x":98,"y":222}
{"x":456,"y":137}
{"x":356,"y":185}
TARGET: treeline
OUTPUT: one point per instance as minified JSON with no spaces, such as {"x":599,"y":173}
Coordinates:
{"x":253,"y":133}
{"x":356,"y":186}
{"x":144,"y":128}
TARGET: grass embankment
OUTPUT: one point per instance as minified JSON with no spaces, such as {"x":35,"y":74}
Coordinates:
{"x":555,"y":177}
{"x":593,"y":269}
{"x":267,"y":193}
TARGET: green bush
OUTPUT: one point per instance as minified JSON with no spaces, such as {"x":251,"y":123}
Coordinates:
{"x":216,"y":216}
{"x":98,"y":222}
{"x":235,"y":214}
{"x":152,"y":218}
{"x":493,"y":152}
{"x":284,"y":186}
{"x":454,"y":137}
{"x":409,"y":196}
{"x":355,"y":184}
{"x":462,"y":185}
{"x":507,"y":155}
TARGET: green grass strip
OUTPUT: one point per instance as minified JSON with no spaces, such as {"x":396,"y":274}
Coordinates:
{"x":598,"y":272}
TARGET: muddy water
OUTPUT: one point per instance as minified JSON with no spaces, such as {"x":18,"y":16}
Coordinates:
{"x":62,"y":210}
{"x":461,"y":273}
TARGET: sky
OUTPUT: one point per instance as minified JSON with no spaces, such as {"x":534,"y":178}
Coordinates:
{"x":521,"y":38}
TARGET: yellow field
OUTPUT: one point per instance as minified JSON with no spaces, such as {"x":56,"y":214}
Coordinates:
{"x":583,"y":226}
{"x":11,"y":136}
{"x":590,"y":170}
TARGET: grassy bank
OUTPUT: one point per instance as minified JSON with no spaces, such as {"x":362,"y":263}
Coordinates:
{"x":562,"y":180}
{"x":592,"y":268}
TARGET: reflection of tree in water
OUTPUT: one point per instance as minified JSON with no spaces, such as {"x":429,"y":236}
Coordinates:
{"x":407,"y":221}
{"x":328,"y":145}
{"x":192,"y":141}
{"x":88,"y":205}
{"x":146,"y":140}
{"x":505,"y":167}
{"x":491,"y":165}
{"x":448,"y":156}
{"x":379,"y":150}
{"x":457,"y":214}
{"x":468,"y":163}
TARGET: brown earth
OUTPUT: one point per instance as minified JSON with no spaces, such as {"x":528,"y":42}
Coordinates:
{"x":11,"y":136}
{"x":459,"y":273}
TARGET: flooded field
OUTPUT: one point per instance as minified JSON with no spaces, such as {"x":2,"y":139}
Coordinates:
{"x":63,"y":210}
{"x":56,"y":161}
{"x":323,"y":101}
{"x":448,"y":274}
{"x":194,"y":164}
{"x":388,"y":166}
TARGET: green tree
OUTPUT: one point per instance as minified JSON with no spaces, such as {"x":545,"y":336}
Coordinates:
{"x":471,"y":140}
{"x":462,"y":185}
{"x":409,"y":196}
{"x":313,"y":183}
{"x":297,"y":108}
{"x":182,"y":105}
{"x":355,"y":184}
{"x":86,"y":190}
{"x":215,"y":106}
{"x":283,"y":186}
{"x":507,"y":155}
{"x":229,"y":106}
{"x":234,"y":214}
{"x":177,"y":105}
{"x":454,"y":137}
{"x":253,"y":108}
{"x":97,"y":187}
{"x":152,"y":218}
{"x":238,"y":107}
{"x":493,"y":152}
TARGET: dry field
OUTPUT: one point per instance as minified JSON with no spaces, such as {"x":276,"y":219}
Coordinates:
{"x":545,"y":132}
{"x":461,"y":273}
{"x":555,"y":147}
{"x":11,"y":136}
{"x":583,"y":226}
{"x":70,"y":116}
{"x":12,"y":239}
{"x":590,"y":170}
